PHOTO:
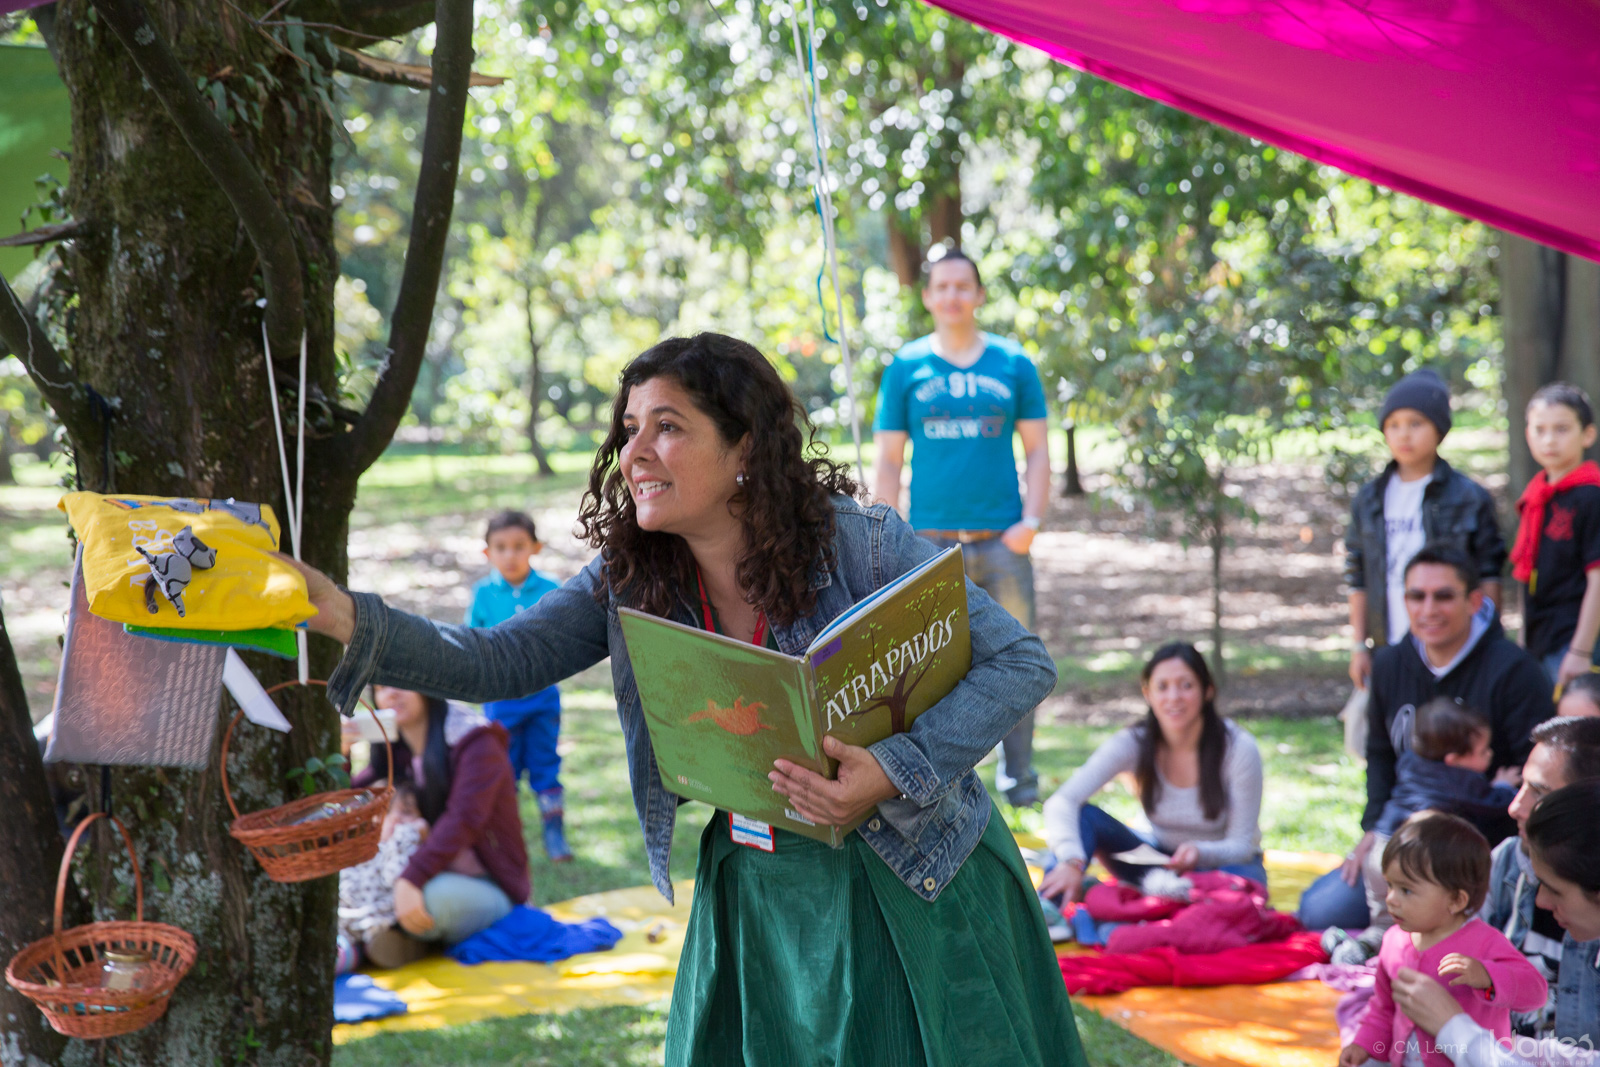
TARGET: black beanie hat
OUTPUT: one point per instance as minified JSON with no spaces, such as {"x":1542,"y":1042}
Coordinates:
{"x":1423,"y":391}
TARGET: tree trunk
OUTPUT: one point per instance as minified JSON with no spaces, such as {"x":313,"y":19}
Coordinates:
{"x":535,"y":389}
{"x":905,"y":249}
{"x":1071,"y":484}
{"x":1550,"y":303}
{"x":167,"y":325}
{"x":944,"y":212}
{"x":30,"y":856}
{"x":8,"y":476}
{"x":164,"y":323}
{"x":1218,"y":537}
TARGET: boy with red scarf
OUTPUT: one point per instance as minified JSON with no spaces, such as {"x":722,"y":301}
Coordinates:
{"x":1557,"y":552}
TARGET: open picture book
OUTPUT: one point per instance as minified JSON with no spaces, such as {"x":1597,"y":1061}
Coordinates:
{"x":720,"y":711}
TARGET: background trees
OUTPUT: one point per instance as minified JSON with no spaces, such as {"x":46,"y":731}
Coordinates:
{"x":646,"y":169}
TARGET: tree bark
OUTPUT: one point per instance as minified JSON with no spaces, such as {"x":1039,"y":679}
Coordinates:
{"x":8,"y":476}
{"x":1550,"y":307}
{"x":30,"y":856}
{"x":905,"y":249}
{"x":1218,"y":532}
{"x":1071,"y":484}
{"x":165,"y":327}
{"x":535,"y":389}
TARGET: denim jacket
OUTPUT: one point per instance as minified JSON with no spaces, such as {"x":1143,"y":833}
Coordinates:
{"x":1456,"y":511}
{"x":1509,"y":909}
{"x":924,"y":835}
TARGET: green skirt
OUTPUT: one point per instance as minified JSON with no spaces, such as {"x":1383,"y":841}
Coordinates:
{"x":809,"y":955}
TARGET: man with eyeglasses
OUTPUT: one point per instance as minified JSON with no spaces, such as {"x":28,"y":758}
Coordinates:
{"x":1454,"y":648}
{"x":1565,"y":751}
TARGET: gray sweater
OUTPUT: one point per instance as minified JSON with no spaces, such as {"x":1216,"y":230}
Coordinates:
{"x":1233,"y":837}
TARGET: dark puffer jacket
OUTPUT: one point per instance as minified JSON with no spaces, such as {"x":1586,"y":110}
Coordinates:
{"x":1456,"y":511}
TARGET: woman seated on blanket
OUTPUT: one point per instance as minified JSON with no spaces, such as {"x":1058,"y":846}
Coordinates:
{"x":1199,"y":781}
{"x":1563,"y":839}
{"x":473,"y":867}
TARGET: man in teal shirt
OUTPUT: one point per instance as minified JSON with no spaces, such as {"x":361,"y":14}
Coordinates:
{"x":959,"y":395}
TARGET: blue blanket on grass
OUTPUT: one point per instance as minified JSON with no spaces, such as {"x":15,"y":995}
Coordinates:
{"x":356,"y":998}
{"x":530,"y":934}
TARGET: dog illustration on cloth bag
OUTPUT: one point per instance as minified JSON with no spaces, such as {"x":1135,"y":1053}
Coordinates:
{"x":172,"y":571}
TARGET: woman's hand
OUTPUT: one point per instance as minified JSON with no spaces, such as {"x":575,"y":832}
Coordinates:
{"x":860,"y":787}
{"x":1351,"y":870}
{"x":336,"y":610}
{"x":1185,"y":858}
{"x":410,"y":909}
{"x":1469,"y":971}
{"x":1064,"y":881}
{"x":1424,"y":1001}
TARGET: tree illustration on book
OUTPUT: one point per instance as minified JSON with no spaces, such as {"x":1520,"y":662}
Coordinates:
{"x":898,"y":662}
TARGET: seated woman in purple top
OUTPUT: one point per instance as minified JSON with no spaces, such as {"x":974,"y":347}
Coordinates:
{"x":473,"y":867}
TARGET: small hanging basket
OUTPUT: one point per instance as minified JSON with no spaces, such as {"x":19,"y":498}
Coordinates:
{"x":316,"y":835}
{"x":103,"y":979}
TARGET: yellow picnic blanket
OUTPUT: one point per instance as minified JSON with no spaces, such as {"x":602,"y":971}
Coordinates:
{"x":232,"y":583}
{"x":1280,"y":1024}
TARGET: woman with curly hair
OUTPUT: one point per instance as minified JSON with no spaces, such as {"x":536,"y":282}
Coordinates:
{"x":919,"y":941}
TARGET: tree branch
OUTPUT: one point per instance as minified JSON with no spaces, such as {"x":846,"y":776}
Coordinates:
{"x":22,"y":335}
{"x":377,"y":69}
{"x":430,"y":227}
{"x":56,"y":231}
{"x":365,"y":19}
{"x":263,"y":218}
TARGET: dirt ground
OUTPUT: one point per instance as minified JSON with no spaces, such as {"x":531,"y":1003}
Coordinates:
{"x":1112,"y":581}
{"x":1112,"y":584}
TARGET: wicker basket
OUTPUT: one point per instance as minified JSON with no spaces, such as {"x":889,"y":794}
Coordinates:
{"x":62,"y":973}
{"x":291,"y":850}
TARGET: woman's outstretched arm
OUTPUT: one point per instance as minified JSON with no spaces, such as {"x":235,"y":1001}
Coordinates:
{"x":564,"y":632}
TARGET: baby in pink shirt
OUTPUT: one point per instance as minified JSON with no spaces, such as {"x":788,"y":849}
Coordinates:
{"x":1437,"y":867}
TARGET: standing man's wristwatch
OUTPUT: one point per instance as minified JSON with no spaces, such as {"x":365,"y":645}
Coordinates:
{"x":1032,"y":522}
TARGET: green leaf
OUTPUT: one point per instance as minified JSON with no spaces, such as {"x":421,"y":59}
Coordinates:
{"x":314,"y":765}
{"x":337,"y":760}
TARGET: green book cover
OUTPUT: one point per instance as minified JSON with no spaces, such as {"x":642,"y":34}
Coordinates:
{"x":720,"y":711}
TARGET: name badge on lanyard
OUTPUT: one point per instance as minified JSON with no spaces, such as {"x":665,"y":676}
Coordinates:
{"x":750,"y":833}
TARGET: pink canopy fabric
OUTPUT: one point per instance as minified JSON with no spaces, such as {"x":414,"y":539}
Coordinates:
{"x":1488,"y":107}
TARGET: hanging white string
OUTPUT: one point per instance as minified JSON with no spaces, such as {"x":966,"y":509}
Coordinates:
{"x":822,"y":180}
{"x":293,"y":499}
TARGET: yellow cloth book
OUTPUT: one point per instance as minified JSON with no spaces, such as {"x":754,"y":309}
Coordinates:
{"x":221,"y":575}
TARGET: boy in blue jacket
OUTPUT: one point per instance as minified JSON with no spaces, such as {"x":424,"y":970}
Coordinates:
{"x":534,"y":721}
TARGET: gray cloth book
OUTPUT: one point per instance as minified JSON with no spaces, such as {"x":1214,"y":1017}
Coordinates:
{"x":132,"y":701}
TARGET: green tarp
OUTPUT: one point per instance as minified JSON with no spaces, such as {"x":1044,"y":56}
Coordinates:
{"x":35,"y":117}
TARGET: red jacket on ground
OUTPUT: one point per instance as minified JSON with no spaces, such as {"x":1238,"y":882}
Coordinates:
{"x":1225,"y":920}
{"x":1264,"y":962}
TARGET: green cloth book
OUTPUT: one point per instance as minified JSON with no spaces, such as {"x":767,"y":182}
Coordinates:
{"x":279,"y":642}
{"x":720,"y":711}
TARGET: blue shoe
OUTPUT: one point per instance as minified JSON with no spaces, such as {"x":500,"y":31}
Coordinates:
{"x":551,"y":809}
{"x":555,"y":840}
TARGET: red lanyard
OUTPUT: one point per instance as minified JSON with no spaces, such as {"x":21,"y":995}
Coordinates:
{"x":760,"y":637}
